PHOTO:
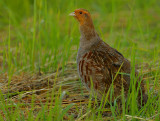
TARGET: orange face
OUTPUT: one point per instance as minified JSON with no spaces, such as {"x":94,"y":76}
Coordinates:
{"x":81,"y":15}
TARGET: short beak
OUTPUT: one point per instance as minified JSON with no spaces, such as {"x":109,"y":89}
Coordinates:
{"x":72,"y":14}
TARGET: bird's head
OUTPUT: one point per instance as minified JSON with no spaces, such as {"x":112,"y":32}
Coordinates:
{"x":83,"y":17}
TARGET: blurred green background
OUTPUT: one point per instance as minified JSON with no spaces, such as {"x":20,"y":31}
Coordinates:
{"x":39,"y":34}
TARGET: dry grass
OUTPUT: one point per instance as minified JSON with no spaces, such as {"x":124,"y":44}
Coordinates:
{"x":24,"y":86}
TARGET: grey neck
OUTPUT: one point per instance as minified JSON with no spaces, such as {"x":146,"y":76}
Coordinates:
{"x":88,"y":37}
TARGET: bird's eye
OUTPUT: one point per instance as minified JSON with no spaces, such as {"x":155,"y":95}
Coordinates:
{"x":80,"y":12}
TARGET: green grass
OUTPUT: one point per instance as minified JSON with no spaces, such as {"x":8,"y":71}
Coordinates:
{"x":38,"y":36}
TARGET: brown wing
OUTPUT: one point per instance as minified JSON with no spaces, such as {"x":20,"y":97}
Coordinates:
{"x":102,"y":67}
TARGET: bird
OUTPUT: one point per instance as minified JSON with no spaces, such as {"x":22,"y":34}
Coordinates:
{"x":100,"y":66}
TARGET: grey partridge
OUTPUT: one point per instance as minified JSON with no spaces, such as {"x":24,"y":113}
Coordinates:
{"x":99,"y":65}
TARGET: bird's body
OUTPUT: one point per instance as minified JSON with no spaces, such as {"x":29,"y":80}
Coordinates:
{"x":99,"y":65}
